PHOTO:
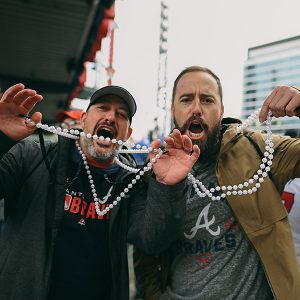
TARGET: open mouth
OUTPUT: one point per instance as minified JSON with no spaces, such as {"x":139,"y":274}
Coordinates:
{"x":106,"y":132}
{"x":195,"y":130}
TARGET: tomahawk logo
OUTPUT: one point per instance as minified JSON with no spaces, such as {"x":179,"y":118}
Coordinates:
{"x":205,"y":224}
{"x":105,"y":198}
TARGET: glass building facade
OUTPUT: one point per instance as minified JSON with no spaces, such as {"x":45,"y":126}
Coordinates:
{"x":268,"y":66}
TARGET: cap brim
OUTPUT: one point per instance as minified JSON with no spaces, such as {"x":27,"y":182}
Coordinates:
{"x":118,"y":91}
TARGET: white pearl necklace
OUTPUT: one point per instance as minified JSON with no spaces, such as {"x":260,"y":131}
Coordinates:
{"x":248,"y":187}
{"x":251,"y":185}
{"x":75,"y":134}
{"x":126,"y":190}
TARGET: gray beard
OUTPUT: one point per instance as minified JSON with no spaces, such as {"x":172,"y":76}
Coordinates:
{"x":99,"y":157}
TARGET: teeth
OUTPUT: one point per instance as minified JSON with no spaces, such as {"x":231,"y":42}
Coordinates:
{"x":104,"y":128}
{"x":100,"y":130}
{"x":195,"y":134}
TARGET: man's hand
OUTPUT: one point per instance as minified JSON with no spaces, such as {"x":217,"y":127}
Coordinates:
{"x":283,"y":101}
{"x":15,"y":103}
{"x":178,"y":158}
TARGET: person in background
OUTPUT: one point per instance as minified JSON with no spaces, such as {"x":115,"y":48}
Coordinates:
{"x":69,"y":205}
{"x":291,"y":200}
{"x":69,"y":118}
{"x":235,"y":241}
{"x":141,"y":158}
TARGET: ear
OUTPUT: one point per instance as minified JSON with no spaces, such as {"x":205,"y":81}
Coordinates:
{"x":222,"y":111}
{"x":129,"y":132}
{"x":82,"y":119}
{"x":172,"y":110}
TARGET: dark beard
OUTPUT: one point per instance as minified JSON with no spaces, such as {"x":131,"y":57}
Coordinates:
{"x":210,"y":147}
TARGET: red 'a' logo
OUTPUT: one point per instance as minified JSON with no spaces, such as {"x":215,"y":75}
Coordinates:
{"x":82,"y":222}
{"x":288,"y":200}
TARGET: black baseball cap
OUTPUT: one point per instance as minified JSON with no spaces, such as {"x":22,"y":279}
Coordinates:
{"x":118,"y":91}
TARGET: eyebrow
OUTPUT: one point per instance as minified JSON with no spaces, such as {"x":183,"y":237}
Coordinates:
{"x":192,"y":94}
{"x":186,"y":95}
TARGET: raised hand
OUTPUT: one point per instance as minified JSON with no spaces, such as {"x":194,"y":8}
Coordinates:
{"x":283,"y":101}
{"x":15,"y":103}
{"x":178,"y":158}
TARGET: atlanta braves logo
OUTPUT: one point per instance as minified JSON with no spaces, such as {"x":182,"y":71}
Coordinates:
{"x":205,"y":224}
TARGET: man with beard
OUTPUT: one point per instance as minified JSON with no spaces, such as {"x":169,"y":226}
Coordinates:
{"x":68,"y":205}
{"x":235,"y":241}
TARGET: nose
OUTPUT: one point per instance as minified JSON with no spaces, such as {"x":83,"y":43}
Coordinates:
{"x":196,"y":107}
{"x":110,"y":116}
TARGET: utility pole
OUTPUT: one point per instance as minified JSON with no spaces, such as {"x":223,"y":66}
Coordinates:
{"x":109,"y":69}
{"x":161,"y":103}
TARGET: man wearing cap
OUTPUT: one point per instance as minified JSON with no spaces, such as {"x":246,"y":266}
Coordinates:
{"x":65,"y":235}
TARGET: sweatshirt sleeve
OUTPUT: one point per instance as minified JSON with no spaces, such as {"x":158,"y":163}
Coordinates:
{"x":15,"y":159}
{"x":156,"y":214}
{"x":6,"y":144}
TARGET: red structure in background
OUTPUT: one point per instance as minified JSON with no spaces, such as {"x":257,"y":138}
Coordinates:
{"x":110,"y":70}
{"x":104,"y":29}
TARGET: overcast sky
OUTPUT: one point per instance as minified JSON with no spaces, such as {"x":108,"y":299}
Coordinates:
{"x":211,"y":33}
